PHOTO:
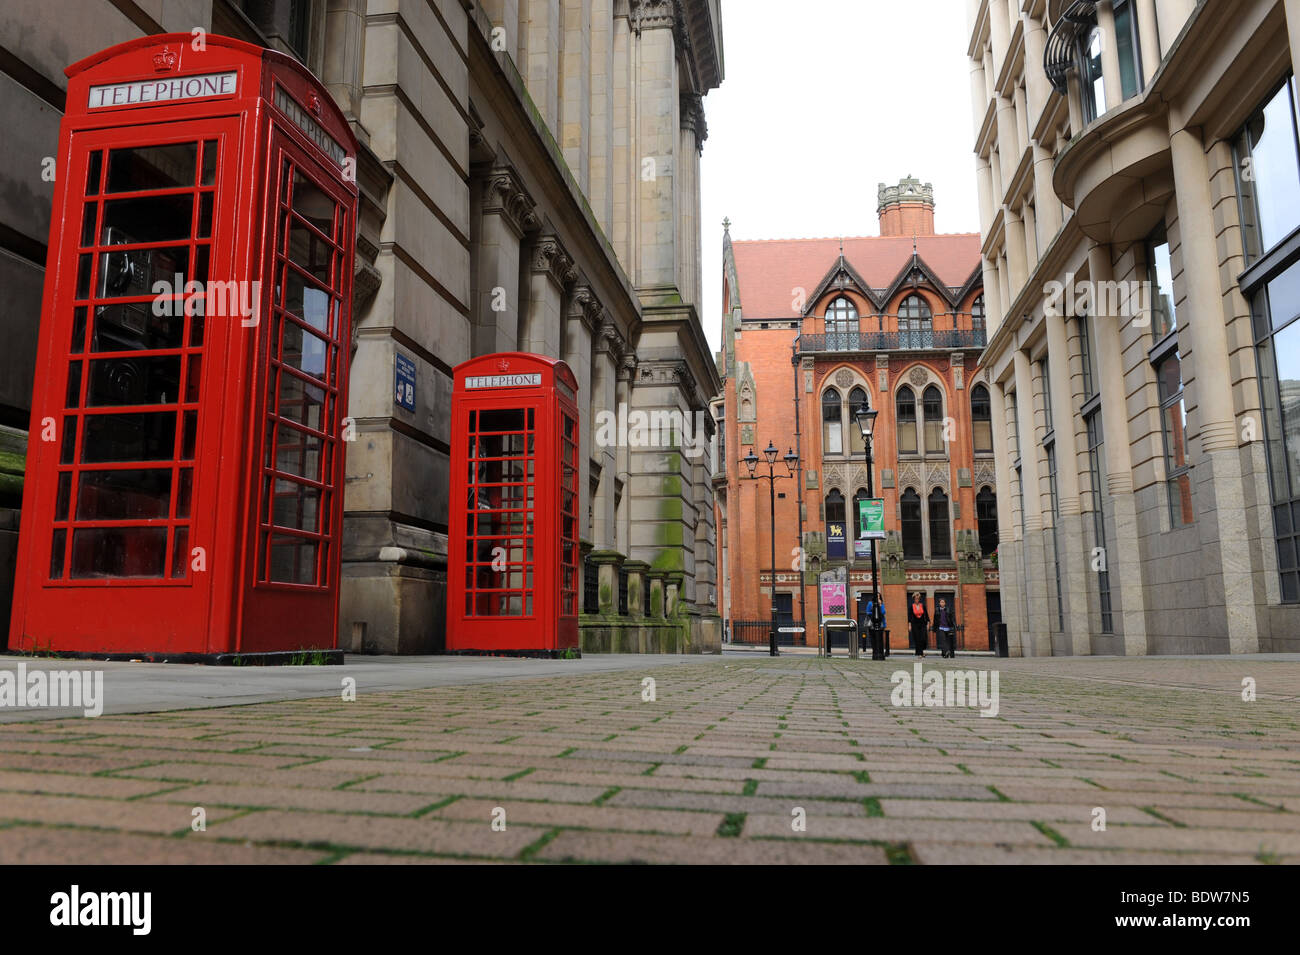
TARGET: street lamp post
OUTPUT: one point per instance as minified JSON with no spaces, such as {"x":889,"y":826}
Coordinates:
{"x":791,"y":461}
{"x":866,"y":424}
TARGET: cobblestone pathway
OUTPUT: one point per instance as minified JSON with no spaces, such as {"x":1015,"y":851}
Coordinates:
{"x":720,"y":767}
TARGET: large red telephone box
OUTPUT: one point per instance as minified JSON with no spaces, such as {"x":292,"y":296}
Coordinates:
{"x":185,"y":466}
{"x":512,"y":539}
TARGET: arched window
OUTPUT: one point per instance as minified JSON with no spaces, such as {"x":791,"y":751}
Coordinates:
{"x":832,"y":423}
{"x":835,"y":526}
{"x":981,"y":414}
{"x":905,"y":424}
{"x":857,"y":399}
{"x":940,"y":540}
{"x":910,"y":506}
{"x":986,"y":514}
{"x":932,"y":408}
{"x":841,"y":325}
{"x":914,"y":328}
{"x":977,"y":319}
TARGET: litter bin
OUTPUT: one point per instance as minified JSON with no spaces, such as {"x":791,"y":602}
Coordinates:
{"x":1000,"y":631}
{"x":846,"y":625}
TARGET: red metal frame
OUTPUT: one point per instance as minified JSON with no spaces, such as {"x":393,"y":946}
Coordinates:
{"x":512,"y":537}
{"x":150,"y":432}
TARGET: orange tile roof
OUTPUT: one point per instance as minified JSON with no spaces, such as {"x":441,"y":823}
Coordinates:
{"x":769,"y":269}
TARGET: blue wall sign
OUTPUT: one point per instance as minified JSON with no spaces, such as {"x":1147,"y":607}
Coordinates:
{"x":403,"y":382}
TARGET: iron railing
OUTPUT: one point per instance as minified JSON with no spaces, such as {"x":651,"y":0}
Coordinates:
{"x":758,"y":632}
{"x":911,"y":340}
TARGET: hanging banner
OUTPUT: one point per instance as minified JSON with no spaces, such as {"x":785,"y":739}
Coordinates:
{"x":871,"y":518}
{"x":836,"y":540}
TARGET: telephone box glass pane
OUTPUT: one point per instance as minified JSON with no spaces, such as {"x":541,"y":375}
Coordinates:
{"x":499,"y":514}
{"x":301,"y":384}
{"x":142,"y":381}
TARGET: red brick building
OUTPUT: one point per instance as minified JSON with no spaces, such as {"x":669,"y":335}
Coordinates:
{"x":813,"y":328}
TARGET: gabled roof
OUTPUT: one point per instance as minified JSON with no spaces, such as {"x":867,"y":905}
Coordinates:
{"x":768,"y":271}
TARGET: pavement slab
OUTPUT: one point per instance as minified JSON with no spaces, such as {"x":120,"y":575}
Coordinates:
{"x":739,"y":759}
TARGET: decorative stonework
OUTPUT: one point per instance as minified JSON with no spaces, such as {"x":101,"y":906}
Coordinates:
{"x":918,"y":376}
{"x":835,"y":477}
{"x":909,"y":475}
{"x":585,"y":307}
{"x":505,"y":195}
{"x":844,"y":378}
{"x":907,"y":190}
{"x":649,"y":14}
{"x":985,"y":473}
{"x":550,"y":257}
{"x":939,"y":477}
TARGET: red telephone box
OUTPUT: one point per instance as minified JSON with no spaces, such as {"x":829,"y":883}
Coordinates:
{"x":512,"y":539}
{"x":185,"y":466}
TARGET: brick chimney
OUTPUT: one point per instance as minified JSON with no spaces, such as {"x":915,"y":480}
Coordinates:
{"x":906,"y":209}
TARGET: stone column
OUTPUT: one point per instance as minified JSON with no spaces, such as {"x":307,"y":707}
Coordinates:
{"x":608,"y":563}
{"x":1008,"y":140}
{"x":345,"y":28}
{"x":1110,"y":74}
{"x":656,"y":99}
{"x":1009,"y":583}
{"x":574,"y":132}
{"x":624,"y":168}
{"x":1149,"y":37}
{"x":1074,"y":585}
{"x":600,"y":166}
{"x":604,"y":371}
{"x":1122,"y":553}
{"x":552,"y":270}
{"x":1220,"y":494}
{"x":1047,"y":205}
{"x":539,"y":53}
{"x":978,"y":95}
{"x":1032,"y":245}
{"x":1017,"y":260}
{"x":999,"y":33}
{"x":1036,"y":639}
{"x":581,"y":315}
{"x":508,"y":212}
{"x":655,"y":605}
{"x":673,"y":605}
{"x":636,"y":587}
{"x":1172,"y":16}
{"x":993,"y":307}
{"x":504,"y":14}
{"x":1039,"y":87}
{"x":623,"y":511}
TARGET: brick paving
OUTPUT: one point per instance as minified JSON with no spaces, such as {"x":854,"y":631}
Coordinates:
{"x":718,"y":769}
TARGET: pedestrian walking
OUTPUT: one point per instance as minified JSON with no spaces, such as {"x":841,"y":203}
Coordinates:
{"x":918,"y":621}
{"x":945,"y":629}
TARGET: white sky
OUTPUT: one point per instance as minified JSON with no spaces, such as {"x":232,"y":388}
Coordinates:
{"x":822,"y":100}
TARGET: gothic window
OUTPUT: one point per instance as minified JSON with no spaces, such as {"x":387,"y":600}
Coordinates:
{"x":832,"y":423}
{"x":981,"y":413}
{"x":940,"y":540}
{"x":906,"y":421}
{"x":977,"y":316}
{"x":841,"y":325}
{"x":857,"y":399}
{"x":986,"y":516}
{"x":910,"y":505}
{"x":914,"y":323}
{"x":932,"y":408}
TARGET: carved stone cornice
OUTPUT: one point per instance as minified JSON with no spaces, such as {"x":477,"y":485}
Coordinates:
{"x":609,"y":340}
{"x":550,"y":257}
{"x":652,"y":14}
{"x":584,"y":307}
{"x":504,"y":194}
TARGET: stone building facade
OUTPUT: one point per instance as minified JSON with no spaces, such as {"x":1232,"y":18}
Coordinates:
{"x":1140,"y":197}
{"x":529,"y":172}
{"x":814,"y":329}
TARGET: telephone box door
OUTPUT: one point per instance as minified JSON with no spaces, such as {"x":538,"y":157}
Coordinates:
{"x":302,"y":360}
{"x":135,"y":371}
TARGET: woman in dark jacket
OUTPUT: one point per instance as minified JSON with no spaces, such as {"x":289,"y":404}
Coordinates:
{"x":918,"y":622}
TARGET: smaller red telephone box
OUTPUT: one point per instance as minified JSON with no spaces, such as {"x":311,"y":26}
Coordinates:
{"x":512,"y":539}
{"x":185,"y":466}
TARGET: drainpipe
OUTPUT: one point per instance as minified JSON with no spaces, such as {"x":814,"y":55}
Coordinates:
{"x":798,"y":449}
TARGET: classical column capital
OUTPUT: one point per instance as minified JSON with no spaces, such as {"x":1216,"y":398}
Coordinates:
{"x":504,"y":194}
{"x":650,"y":14}
{"x":609,"y":340}
{"x":584,"y":307}
{"x":550,"y":258}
